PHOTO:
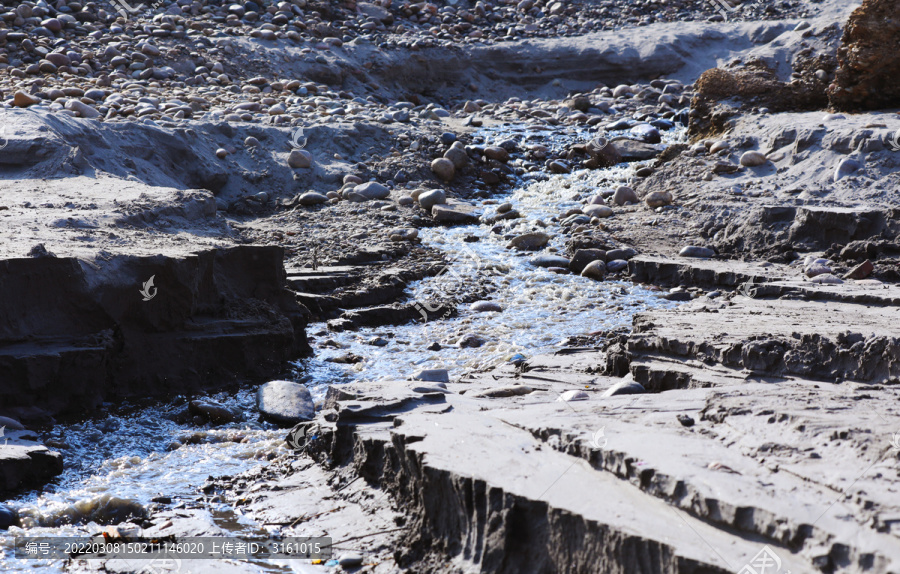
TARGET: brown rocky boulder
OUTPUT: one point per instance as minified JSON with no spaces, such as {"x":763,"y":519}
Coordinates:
{"x":868,"y":60}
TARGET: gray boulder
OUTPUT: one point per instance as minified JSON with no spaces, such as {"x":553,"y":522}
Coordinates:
{"x":285,"y":402}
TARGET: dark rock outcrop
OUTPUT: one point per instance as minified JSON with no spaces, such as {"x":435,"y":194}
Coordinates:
{"x":74,"y":333}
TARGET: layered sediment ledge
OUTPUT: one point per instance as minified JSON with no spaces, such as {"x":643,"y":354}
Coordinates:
{"x":495,"y":474}
{"x":76,"y":333}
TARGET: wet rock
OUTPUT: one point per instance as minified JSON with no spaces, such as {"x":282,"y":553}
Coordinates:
{"x":623,"y":195}
{"x":625,"y":388}
{"x":861,"y":271}
{"x":285,"y":402}
{"x":470,"y":340}
{"x":529,"y":241}
{"x":311,"y":198}
{"x":433,"y":376}
{"x":625,"y":254}
{"x":582,"y":257}
{"x":496,"y":153}
{"x":448,"y":138}
{"x":695,"y":251}
{"x":433,"y":197}
{"x":557,"y":166}
{"x":11,"y":424}
{"x":212,"y":411}
{"x":454,"y":213}
{"x":646,"y":133}
{"x":8,"y":516}
{"x":550,"y":261}
{"x":485,"y":306}
{"x":632,"y":150}
{"x":596,"y":270}
{"x":752,"y":159}
{"x":299,"y":159}
{"x":27,"y":466}
{"x":575,"y":395}
{"x":443,"y":168}
{"x":656,"y":199}
{"x":372,"y":190}
{"x":603,"y":153}
{"x":615,"y":265}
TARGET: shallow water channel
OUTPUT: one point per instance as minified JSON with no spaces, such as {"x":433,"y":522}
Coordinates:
{"x":132,"y":455}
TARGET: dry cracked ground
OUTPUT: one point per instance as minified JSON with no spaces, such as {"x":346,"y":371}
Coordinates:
{"x":197,"y":196}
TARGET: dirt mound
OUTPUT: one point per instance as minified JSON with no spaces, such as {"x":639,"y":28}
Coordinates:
{"x":868,"y":59}
{"x":755,"y":85}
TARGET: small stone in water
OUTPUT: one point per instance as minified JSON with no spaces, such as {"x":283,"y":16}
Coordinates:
{"x":285,"y":402}
{"x":8,"y":516}
{"x":471,"y":340}
{"x":485,"y":306}
{"x":596,"y":270}
{"x":616,"y":265}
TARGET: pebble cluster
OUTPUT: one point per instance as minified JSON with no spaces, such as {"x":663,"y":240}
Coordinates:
{"x":178,"y":60}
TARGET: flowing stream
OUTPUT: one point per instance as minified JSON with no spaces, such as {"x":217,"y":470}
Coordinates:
{"x":122,"y":459}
